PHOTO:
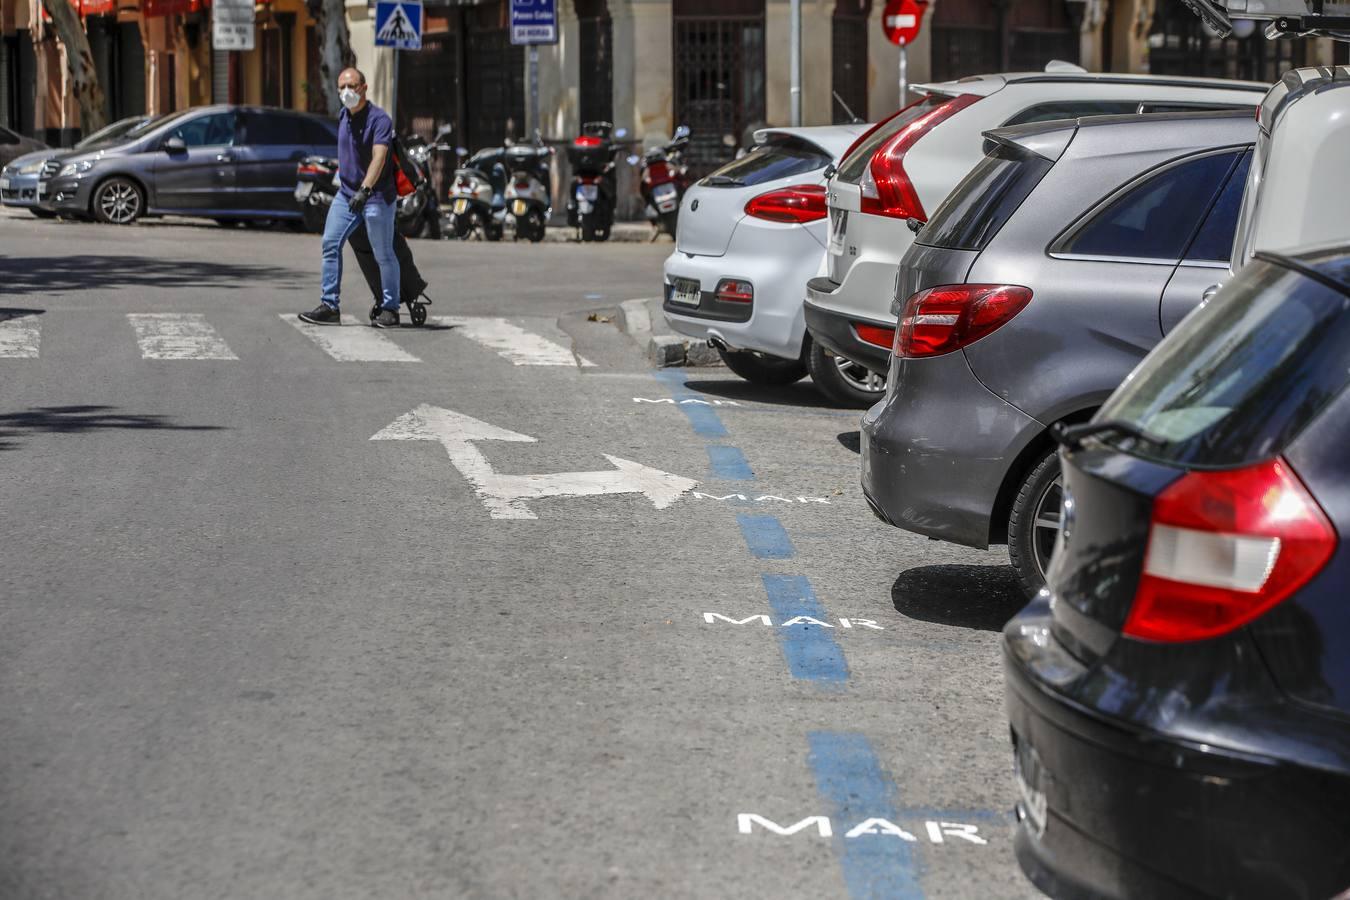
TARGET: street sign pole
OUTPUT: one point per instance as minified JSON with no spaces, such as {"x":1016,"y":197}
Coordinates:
{"x":795,"y":64}
{"x":904,"y":72}
{"x":534,"y":88}
{"x":393,"y":99}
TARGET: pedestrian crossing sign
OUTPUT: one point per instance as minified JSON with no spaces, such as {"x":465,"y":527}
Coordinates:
{"x":398,"y":24}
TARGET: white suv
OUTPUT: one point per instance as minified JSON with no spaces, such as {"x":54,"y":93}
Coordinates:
{"x":907,"y":165}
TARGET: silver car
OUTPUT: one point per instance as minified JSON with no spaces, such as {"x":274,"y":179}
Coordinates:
{"x":1039,"y":284}
{"x":23,"y":183}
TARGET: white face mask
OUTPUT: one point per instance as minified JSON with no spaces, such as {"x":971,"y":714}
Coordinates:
{"x":349,"y":97}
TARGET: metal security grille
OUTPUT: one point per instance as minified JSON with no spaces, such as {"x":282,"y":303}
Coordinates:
{"x":719,"y":84}
{"x":1180,"y":45}
{"x":596,"y":35}
{"x":848,"y":46}
{"x":974,"y":37}
{"x":428,"y":86}
{"x":495,"y":92}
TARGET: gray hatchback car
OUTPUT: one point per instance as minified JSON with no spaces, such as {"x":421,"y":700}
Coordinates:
{"x":1036,"y":288}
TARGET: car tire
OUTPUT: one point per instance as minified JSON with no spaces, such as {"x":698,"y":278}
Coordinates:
{"x":227,"y":223}
{"x":842,"y":382}
{"x":1033,"y":523}
{"x":117,"y":201}
{"x":759,"y":368}
{"x":42,"y":213}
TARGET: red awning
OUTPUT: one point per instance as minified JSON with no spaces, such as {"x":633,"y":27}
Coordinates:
{"x":95,"y":7}
{"x":152,"y":8}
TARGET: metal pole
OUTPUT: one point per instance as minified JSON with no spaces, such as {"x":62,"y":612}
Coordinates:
{"x":904,"y":73}
{"x":795,"y":61}
{"x":534,"y":90}
{"x":393,"y":97}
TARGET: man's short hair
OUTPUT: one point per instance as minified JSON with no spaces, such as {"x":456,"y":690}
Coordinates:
{"x":359,"y":74}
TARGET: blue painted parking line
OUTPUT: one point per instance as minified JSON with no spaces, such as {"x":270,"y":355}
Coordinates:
{"x":729,"y":463}
{"x":705,"y":420}
{"x":849,"y":778}
{"x":765,"y":536}
{"x":811,"y":651}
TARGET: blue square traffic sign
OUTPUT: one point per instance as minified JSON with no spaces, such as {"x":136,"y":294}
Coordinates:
{"x":398,"y":24}
{"x":534,"y":21}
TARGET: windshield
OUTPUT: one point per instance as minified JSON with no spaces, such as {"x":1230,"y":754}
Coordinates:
{"x":781,"y":157}
{"x":1241,"y":376}
{"x":852,"y":167}
{"x":116,"y":131}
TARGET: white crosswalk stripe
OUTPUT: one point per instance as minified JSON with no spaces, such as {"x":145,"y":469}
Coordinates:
{"x":353,"y":341}
{"x":178,"y":336}
{"x":20,"y":337}
{"x":511,"y":342}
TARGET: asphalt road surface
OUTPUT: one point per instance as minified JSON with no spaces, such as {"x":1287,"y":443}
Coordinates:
{"x":486,"y":609}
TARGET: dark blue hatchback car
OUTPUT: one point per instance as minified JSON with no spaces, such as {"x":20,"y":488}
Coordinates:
{"x":1180,"y":695}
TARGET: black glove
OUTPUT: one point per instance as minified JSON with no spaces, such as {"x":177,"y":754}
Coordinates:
{"x":358,"y":201}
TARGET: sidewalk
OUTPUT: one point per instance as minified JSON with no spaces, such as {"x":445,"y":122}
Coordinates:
{"x":643,"y":321}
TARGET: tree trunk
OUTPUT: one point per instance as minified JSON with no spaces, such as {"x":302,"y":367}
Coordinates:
{"x":79,"y":64}
{"x":335,"y":51}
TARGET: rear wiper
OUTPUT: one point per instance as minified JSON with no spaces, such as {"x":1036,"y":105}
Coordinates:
{"x":1071,"y":437}
{"x":723,"y":179}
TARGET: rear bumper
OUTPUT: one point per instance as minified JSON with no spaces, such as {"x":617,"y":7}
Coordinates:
{"x":1135,"y":813}
{"x":833,"y":330}
{"x":936,"y":451}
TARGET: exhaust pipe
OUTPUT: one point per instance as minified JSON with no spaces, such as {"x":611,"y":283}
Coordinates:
{"x":718,"y":344}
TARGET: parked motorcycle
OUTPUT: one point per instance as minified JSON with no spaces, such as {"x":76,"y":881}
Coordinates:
{"x":478,"y":195}
{"x":593,"y":192}
{"x":419,"y":215}
{"x":664,"y":180}
{"x":529,"y":194}
{"x":316,"y":184}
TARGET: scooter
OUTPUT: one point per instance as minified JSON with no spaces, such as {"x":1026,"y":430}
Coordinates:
{"x":316,"y":184}
{"x":593,"y":193}
{"x":477,"y":196}
{"x":419,"y":215}
{"x":529,"y":196}
{"x":665,"y":178}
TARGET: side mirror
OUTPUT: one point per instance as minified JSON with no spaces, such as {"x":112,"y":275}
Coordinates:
{"x":634,"y":159}
{"x":682,"y":131}
{"x":462,"y":151}
{"x":1209,"y":292}
{"x":621,"y":133}
{"x":175,"y":144}
{"x":830,"y":170}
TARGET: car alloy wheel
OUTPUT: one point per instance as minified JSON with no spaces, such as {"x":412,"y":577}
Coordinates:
{"x":860,"y":377}
{"x":118,"y":202}
{"x":1048,"y":511}
{"x":1034,"y":522}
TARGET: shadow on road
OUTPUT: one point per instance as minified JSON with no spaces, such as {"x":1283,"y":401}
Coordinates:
{"x":799,"y":394}
{"x":10,"y":312}
{"x":87,"y":271}
{"x":851,"y":440}
{"x":81,"y":420}
{"x":983,"y":597}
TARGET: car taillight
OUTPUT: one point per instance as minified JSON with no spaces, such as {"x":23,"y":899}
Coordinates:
{"x":1224,"y":548}
{"x":886,"y":187}
{"x":733,"y":290}
{"x":587,"y":140}
{"x":946,"y":318}
{"x":303,"y":169}
{"x":798,"y":204}
{"x":875,"y":335}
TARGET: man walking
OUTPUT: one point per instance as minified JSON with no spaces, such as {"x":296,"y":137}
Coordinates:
{"x":367,"y":194}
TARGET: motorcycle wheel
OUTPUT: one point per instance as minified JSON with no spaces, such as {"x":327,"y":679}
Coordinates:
{"x":537,"y":228}
{"x":589,"y":230}
{"x":460,"y":227}
{"x":492,"y":231}
{"x":316,"y":216}
{"x":669,"y":221}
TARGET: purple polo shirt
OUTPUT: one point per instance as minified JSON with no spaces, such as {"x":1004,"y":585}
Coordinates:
{"x":358,"y":133}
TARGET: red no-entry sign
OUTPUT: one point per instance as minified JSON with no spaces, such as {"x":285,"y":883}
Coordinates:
{"x":901,"y":20}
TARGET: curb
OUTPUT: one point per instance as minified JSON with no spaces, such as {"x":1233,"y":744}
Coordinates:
{"x":641,"y":319}
{"x":620,"y":233}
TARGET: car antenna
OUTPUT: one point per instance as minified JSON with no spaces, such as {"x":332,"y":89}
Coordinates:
{"x":852,"y":117}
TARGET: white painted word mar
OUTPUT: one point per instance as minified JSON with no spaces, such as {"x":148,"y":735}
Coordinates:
{"x":937,"y":832}
{"x":764,"y":620}
{"x":762,"y":498}
{"x":688,"y":401}
{"x":505,"y":495}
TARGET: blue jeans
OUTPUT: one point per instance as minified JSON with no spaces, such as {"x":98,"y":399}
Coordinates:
{"x":379,"y":218}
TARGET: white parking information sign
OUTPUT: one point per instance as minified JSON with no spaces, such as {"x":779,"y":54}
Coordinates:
{"x":232,"y":25}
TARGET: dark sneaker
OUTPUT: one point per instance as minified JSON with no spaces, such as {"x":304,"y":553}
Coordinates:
{"x":322,"y":315}
{"x":386,"y":319}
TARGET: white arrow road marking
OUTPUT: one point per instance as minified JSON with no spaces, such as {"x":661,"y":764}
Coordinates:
{"x":178,"y":336}
{"x":19,"y":337}
{"x":521,"y":347}
{"x":353,"y":341}
{"x":504,"y":495}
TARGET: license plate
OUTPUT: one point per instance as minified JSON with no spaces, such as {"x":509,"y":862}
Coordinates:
{"x":685,"y":292}
{"x":662,"y":191}
{"x":1031,"y":777}
{"x":588,"y":192}
{"x":41,"y":189}
{"x":585,"y":208}
{"x":518,"y":207}
{"x":838,"y":227}
{"x":460,"y":207}
{"x":4,"y":184}
{"x":303,"y":190}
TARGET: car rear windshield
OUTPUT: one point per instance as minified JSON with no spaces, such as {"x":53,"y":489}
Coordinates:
{"x":782,"y":156}
{"x":853,"y":166}
{"x":1242,"y":376}
{"x":984,"y":200}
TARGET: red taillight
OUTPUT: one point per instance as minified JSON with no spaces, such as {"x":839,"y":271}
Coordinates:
{"x":588,"y":179}
{"x":733,"y":290}
{"x":798,"y":204}
{"x":1224,"y":548}
{"x":587,"y":140}
{"x":886,"y":188}
{"x":306,"y":169}
{"x":947,"y":318}
{"x":875,"y":335}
